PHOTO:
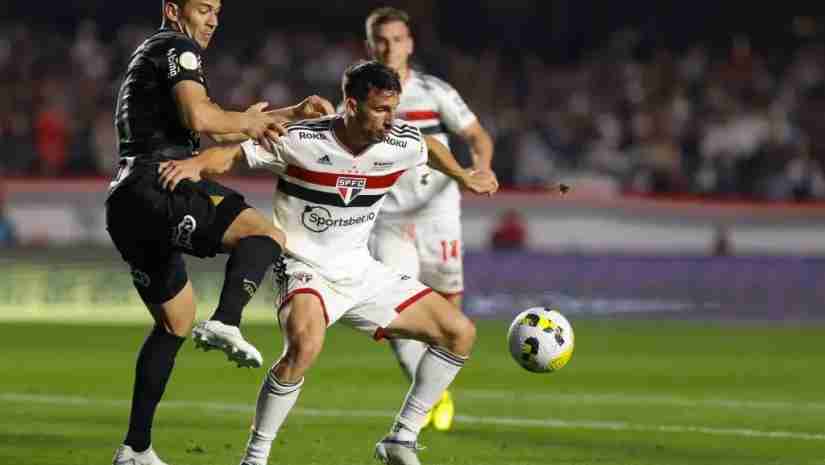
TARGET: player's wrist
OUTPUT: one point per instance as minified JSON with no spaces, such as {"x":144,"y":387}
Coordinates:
{"x":247,"y":123}
{"x":463,"y":176}
{"x":293,"y":113}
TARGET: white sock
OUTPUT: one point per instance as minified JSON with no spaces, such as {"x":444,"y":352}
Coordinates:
{"x":409,"y":353}
{"x":275,"y":400}
{"x":436,"y":370}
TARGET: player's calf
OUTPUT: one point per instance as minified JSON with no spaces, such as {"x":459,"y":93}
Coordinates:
{"x":255,"y":244}
{"x":304,"y":327}
{"x":450,"y":336}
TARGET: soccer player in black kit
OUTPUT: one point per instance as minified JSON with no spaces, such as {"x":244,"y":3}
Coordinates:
{"x":162,"y":108}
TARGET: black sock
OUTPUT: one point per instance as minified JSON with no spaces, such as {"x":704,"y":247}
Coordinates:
{"x":154,"y":365}
{"x":245,"y":270}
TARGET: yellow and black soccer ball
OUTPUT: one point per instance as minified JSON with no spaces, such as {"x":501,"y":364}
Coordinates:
{"x":541,"y":340}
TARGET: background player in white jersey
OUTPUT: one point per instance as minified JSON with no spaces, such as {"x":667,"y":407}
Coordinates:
{"x":333,"y":175}
{"x":419,"y":230}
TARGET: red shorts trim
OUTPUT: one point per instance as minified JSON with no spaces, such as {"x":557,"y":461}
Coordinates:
{"x":380,"y":333}
{"x":306,"y":290}
{"x":403,"y":306}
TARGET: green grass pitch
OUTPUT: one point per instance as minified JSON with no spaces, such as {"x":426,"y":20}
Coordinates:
{"x":634,"y":393}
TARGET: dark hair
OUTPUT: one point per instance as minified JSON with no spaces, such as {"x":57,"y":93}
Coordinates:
{"x":384,"y":15}
{"x":364,"y":76}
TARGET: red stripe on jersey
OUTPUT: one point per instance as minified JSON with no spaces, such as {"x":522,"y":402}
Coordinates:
{"x":419,"y":115}
{"x":331,"y":179}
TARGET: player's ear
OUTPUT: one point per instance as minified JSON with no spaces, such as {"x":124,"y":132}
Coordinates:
{"x":171,"y":11}
{"x":368,"y":48}
{"x":351,"y":105}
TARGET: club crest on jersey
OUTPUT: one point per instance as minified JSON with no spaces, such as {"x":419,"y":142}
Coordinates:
{"x":349,"y":188}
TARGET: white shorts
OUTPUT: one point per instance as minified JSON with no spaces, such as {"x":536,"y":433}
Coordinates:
{"x":369,"y":304}
{"x":429,"y":249}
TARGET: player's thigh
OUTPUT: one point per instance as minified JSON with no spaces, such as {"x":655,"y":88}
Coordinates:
{"x":138,"y":227}
{"x":306,"y":302}
{"x":441,"y":254}
{"x":177,"y":314}
{"x":393,"y":244}
{"x":431,"y":319}
{"x":382,"y":296}
{"x":164,"y":287}
{"x":303,"y":322}
{"x":250,"y":222}
{"x":200,"y":215}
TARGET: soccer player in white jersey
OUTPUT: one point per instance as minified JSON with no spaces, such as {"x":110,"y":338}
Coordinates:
{"x":333,"y":175}
{"x":419,"y":229}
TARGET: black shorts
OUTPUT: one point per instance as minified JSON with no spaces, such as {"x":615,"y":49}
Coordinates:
{"x":152,"y":227}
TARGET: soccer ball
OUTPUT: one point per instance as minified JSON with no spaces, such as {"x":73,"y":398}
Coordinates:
{"x":541,"y":340}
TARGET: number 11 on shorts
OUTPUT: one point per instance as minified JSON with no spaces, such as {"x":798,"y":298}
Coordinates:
{"x":449,"y":249}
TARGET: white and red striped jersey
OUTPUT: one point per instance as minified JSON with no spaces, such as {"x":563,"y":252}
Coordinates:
{"x":436,"y":109}
{"x":327,"y":198}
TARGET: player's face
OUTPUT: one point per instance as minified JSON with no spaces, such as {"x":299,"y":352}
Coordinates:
{"x":391,"y":44}
{"x":199,"y":20}
{"x":374,"y":116}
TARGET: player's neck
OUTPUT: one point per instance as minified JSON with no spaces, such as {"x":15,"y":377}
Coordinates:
{"x":349,"y":137}
{"x":404,"y":73}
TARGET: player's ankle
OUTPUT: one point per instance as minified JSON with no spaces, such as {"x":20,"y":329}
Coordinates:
{"x":229,"y":320}
{"x":402,"y":432}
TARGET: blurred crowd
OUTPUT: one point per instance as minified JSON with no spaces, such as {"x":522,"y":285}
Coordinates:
{"x":731,"y":121}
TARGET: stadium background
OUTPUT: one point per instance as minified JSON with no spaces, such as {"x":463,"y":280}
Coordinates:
{"x":692,"y":134}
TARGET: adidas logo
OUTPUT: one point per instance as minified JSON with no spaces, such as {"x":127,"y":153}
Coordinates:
{"x":324,"y":160}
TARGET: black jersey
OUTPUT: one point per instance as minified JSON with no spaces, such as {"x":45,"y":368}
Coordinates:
{"x":148,"y":123}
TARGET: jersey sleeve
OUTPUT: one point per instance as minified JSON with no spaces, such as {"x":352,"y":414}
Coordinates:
{"x":423,"y":153}
{"x":455,"y":113}
{"x":183,"y":62}
{"x":258,"y":157}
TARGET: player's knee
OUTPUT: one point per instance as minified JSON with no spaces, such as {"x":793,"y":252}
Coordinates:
{"x":260,"y":226}
{"x":276,"y":235}
{"x":305,"y":351}
{"x":181,"y":329}
{"x":461,"y":335}
{"x":305,"y":344}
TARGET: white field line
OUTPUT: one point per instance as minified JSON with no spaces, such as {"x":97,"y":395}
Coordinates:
{"x":11,"y":397}
{"x":620,"y":399}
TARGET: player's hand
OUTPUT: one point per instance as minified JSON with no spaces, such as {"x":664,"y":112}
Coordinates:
{"x":313,"y":107}
{"x":173,"y":172}
{"x":480,"y":182}
{"x":266,"y":127}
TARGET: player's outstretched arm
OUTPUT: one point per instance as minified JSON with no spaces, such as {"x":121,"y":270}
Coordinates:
{"x":200,"y":114}
{"x":440,"y":158}
{"x":313,"y":106}
{"x":211,"y":162}
{"x":481,"y":146}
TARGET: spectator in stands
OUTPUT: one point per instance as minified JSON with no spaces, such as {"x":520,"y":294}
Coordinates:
{"x":8,"y":235}
{"x":511,"y":232}
{"x":722,"y":244}
{"x":695,"y":121}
